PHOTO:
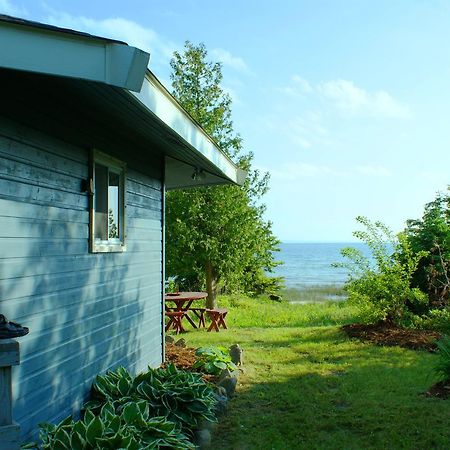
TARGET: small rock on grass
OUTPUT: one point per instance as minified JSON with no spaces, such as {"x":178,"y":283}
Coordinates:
{"x":237,"y":354}
{"x":229,"y":383}
{"x":203,"y":438}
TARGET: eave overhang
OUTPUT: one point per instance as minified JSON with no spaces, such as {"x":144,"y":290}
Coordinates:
{"x":38,"y":48}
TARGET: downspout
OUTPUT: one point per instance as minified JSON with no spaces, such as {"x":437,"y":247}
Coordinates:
{"x":163,"y":269}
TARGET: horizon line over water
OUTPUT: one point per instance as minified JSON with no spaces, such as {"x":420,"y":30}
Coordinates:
{"x":308,"y":264}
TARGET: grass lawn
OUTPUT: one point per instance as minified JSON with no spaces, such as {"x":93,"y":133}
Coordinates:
{"x":307,"y":386}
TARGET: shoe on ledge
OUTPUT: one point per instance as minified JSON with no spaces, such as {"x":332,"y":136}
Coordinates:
{"x":10,"y":330}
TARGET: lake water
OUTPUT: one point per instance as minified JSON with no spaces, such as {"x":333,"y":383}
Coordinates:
{"x":309,"y":264}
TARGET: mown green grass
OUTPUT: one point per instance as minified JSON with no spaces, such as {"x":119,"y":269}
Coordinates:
{"x":307,"y":386}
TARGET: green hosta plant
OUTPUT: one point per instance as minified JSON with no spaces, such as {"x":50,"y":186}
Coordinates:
{"x":213,"y":360}
{"x":183,"y":397}
{"x":132,"y":429}
{"x":442,"y":367}
{"x":179,"y":395}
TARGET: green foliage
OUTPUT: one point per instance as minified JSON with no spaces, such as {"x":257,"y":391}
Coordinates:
{"x":180,"y":396}
{"x":216,"y":234}
{"x":213,"y":360}
{"x":132,"y":428}
{"x":432,"y":234}
{"x":435,"y":319}
{"x":442,"y":366}
{"x":382,"y":292}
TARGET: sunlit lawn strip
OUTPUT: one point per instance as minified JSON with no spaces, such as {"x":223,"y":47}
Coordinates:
{"x":309,"y":386}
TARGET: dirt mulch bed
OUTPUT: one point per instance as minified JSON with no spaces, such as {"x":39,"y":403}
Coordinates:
{"x":184,"y":358}
{"x":440,"y":390}
{"x":383,"y":333}
{"x":181,"y":357}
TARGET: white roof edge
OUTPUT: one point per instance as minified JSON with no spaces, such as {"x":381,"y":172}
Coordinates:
{"x":34,"y":47}
{"x":53,"y":52}
{"x":155,"y":97}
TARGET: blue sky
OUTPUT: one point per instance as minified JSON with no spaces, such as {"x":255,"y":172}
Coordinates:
{"x":345,"y":103}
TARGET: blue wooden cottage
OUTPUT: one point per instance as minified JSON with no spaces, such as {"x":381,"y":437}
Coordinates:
{"x":89,"y":142}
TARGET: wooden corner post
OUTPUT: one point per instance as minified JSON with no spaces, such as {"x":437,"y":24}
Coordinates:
{"x":9,"y":431}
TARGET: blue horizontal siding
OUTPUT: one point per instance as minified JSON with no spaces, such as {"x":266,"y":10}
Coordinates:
{"x":87,"y":313}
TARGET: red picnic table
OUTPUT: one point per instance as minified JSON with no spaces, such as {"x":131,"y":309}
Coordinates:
{"x":183,"y":302}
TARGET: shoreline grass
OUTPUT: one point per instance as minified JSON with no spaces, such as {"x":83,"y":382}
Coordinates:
{"x":306,"y":385}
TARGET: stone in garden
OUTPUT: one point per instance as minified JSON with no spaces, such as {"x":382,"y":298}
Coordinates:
{"x":181,"y":343}
{"x":226,"y":373}
{"x":221,"y":405}
{"x":229,"y":383}
{"x":221,"y":390}
{"x":276,"y":298}
{"x":237,"y":354}
{"x":169,"y":339}
{"x":203,"y":438}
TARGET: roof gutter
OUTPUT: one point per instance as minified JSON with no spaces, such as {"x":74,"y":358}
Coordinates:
{"x":44,"y":50}
{"x":155,"y":97}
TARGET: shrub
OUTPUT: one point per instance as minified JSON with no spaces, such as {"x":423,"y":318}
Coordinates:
{"x":213,"y":360}
{"x":180,"y":396}
{"x":432,"y":234}
{"x":380,"y":287}
{"x":132,"y":429}
{"x":436,"y":319}
{"x":442,"y":367}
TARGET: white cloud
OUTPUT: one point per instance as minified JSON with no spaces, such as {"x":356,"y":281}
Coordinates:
{"x":298,"y":87}
{"x":294,"y":171}
{"x":307,"y":130}
{"x":354,"y":101}
{"x":6,"y":7}
{"x":227,"y":59}
{"x":160,"y":49}
{"x":349,"y":99}
{"x":375,"y":171}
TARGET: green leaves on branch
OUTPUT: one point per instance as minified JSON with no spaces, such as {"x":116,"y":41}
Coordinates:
{"x":216,"y":233}
{"x":381,"y":286}
{"x":431,"y":233}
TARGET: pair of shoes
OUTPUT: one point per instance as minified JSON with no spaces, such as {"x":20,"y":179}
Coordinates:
{"x":11,"y":329}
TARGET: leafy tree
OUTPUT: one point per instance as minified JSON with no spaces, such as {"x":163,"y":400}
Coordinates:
{"x":431,"y":233}
{"x":217,"y":233}
{"x":381,"y":286}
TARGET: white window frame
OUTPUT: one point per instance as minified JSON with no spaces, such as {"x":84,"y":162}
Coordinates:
{"x":119,"y":167}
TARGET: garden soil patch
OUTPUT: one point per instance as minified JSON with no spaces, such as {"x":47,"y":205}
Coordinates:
{"x":440,"y":390}
{"x":383,"y":333}
{"x":181,"y":357}
{"x":184,"y":358}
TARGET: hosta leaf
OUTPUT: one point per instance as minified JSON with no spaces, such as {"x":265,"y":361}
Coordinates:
{"x":107,"y":411}
{"x":220,"y":364}
{"x":131,"y":413}
{"x":143,"y":408}
{"x":63,"y":436}
{"x":114,"y":424}
{"x":94,"y":430}
{"x":123,"y":386}
{"x":77,"y":442}
{"x":80,"y":428}
{"x":59,"y":445}
{"x":88,"y":417}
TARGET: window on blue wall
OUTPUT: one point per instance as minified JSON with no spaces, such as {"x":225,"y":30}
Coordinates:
{"x":108,"y":205}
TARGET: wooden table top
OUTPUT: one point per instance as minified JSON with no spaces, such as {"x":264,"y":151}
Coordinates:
{"x":185,"y":295}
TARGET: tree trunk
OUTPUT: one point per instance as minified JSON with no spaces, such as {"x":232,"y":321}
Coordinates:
{"x":211,"y":286}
